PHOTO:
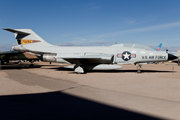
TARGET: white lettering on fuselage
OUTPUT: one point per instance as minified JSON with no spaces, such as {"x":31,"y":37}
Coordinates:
{"x":153,"y":57}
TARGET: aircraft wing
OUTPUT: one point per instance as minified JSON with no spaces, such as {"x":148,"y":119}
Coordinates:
{"x":87,"y":58}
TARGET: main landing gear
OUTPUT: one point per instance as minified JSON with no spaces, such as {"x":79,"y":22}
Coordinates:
{"x":79,"y":69}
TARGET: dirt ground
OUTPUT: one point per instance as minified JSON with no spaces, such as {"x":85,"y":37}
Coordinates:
{"x":152,"y":94}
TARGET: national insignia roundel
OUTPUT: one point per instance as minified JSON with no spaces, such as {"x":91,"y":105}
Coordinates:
{"x":126,"y":55}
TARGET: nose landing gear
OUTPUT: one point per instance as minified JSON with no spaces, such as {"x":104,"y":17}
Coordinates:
{"x":139,"y":66}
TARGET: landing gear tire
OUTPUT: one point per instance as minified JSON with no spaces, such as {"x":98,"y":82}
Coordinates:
{"x":138,"y":71}
{"x":79,"y":70}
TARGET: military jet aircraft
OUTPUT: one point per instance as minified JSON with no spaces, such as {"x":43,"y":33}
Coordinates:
{"x":88,"y":58}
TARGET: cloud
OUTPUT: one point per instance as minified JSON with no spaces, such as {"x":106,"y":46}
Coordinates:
{"x":143,"y":29}
{"x":135,"y":22}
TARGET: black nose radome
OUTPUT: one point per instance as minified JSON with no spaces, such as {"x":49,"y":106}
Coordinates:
{"x":172,"y":57}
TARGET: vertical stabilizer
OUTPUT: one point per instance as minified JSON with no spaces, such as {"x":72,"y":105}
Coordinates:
{"x":159,"y":47}
{"x":25,"y":36}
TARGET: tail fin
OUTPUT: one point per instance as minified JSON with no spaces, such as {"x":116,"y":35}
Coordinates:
{"x":25,"y":36}
{"x":159,"y":47}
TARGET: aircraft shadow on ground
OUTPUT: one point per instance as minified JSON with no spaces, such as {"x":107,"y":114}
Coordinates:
{"x":27,"y":66}
{"x":57,"y":105}
{"x":23,"y":66}
{"x":114,"y":71}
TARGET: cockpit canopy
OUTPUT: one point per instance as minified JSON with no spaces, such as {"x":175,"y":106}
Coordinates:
{"x":130,"y":45}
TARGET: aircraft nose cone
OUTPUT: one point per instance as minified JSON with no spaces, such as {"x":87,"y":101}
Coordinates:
{"x":171,"y":57}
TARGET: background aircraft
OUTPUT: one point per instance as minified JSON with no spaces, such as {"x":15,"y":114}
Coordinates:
{"x":87,"y":58}
{"x":159,"y":47}
{"x":7,"y":56}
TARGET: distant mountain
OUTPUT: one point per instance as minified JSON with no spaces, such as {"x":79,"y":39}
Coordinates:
{"x":6,"y":47}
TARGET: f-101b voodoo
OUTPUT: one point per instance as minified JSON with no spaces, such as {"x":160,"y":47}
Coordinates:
{"x":87,"y":58}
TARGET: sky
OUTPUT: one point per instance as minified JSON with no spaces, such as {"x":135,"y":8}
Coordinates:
{"x":93,"y":22}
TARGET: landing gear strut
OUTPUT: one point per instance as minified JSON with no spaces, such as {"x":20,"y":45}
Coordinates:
{"x":139,"y":66}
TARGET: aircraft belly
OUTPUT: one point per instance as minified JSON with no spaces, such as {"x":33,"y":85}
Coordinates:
{"x":101,"y":67}
{"x":62,"y":61}
{"x":87,"y":61}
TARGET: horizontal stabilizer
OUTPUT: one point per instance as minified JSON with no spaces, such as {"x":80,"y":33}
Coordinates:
{"x":16,"y":31}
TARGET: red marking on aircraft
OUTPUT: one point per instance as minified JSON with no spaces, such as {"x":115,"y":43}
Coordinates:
{"x":36,"y":41}
{"x":134,"y":55}
{"x":119,"y":55}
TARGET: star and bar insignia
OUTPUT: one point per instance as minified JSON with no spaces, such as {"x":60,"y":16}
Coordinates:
{"x":126,"y":55}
